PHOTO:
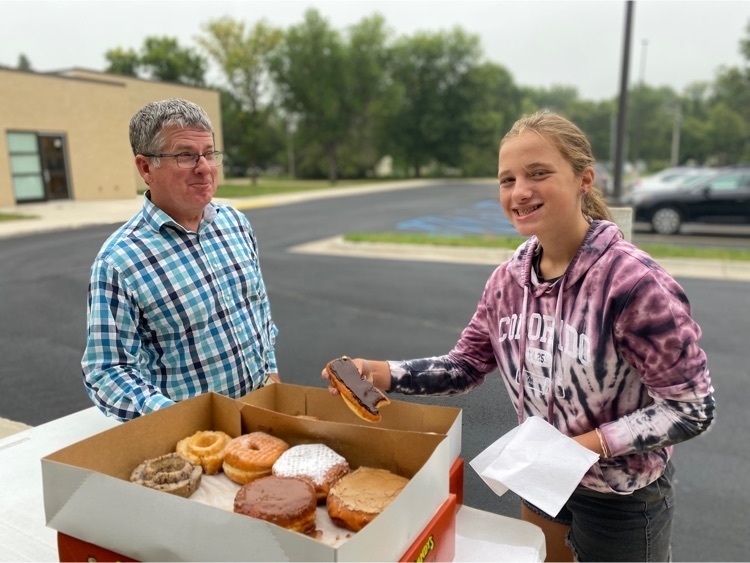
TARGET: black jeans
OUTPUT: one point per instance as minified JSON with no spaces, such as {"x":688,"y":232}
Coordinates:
{"x":612,"y":527}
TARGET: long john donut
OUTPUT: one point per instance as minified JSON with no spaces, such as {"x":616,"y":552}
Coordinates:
{"x":361,"y":396}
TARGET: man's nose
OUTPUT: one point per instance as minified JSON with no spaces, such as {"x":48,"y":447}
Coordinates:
{"x":202,"y":165}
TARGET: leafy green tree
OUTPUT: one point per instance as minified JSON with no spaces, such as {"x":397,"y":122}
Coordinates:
{"x":161,"y":58}
{"x":368,"y":95}
{"x":23,"y":62}
{"x":242,"y":54}
{"x":330,"y":83}
{"x":122,"y":61}
{"x":429,"y":70}
{"x":241,"y":132}
{"x":308,"y":69}
{"x":651,"y":121}
{"x":728,"y":132}
{"x":492,"y":102}
{"x":558,"y":98}
{"x":597,"y":120}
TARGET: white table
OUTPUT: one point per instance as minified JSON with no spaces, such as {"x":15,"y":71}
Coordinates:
{"x":24,"y":535}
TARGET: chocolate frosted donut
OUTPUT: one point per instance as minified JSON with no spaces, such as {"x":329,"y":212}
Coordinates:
{"x":170,"y":473}
{"x":361,"y":396}
{"x":286,"y":502}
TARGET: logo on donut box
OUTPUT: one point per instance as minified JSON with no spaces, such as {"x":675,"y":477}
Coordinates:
{"x":88,"y":495}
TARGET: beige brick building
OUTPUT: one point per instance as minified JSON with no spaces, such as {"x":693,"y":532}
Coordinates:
{"x":64,"y":135}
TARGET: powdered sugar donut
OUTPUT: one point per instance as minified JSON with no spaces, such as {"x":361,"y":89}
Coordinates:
{"x":315,"y":463}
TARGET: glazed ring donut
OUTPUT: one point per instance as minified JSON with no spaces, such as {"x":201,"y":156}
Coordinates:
{"x":357,"y":498}
{"x":315,"y":463}
{"x":205,"y":448}
{"x":289,"y":503}
{"x":170,"y":473}
{"x":251,"y":456}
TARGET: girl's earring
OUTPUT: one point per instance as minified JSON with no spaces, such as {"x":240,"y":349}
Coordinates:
{"x":583,"y":191}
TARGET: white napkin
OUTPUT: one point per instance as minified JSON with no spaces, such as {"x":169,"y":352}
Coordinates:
{"x":537,"y":462}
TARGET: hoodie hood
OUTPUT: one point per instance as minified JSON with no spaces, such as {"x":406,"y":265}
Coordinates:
{"x":600,"y":236}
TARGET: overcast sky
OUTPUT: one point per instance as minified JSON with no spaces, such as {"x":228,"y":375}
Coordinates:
{"x":542,"y":43}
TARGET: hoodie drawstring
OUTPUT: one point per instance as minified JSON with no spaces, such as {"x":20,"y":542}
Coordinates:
{"x":522,"y":357}
{"x":556,"y":338}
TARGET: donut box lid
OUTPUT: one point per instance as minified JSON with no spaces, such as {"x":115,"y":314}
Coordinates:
{"x":88,"y":495}
{"x":299,"y":400}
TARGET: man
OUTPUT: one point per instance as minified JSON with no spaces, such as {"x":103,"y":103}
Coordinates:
{"x":176,"y":303}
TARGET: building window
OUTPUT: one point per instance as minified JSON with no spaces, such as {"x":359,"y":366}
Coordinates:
{"x":38,"y":166}
{"x":26,"y":167}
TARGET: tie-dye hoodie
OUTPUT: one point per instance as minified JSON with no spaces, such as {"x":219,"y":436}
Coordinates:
{"x":611,"y":344}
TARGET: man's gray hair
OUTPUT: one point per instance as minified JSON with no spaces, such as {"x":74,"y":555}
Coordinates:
{"x":147,"y":126}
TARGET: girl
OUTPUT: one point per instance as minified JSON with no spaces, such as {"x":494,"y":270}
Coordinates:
{"x":588,"y":332}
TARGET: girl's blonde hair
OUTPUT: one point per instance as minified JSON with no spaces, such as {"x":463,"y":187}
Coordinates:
{"x":566,"y":137}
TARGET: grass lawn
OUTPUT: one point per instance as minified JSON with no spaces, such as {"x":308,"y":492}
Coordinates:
{"x":242,"y":187}
{"x":15,"y":217}
{"x":488,"y":241}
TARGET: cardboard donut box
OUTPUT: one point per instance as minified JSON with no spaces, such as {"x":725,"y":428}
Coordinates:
{"x":88,"y":495}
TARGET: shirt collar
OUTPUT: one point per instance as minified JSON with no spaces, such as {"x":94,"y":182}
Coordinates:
{"x":156,"y":218}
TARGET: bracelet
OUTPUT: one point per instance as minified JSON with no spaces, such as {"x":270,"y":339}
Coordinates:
{"x":603,"y":444}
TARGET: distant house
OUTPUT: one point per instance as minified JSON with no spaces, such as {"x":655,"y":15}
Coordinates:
{"x":64,"y":135}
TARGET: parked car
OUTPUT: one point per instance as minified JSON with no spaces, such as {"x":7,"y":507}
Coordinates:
{"x":721,"y":197}
{"x":666,"y":178}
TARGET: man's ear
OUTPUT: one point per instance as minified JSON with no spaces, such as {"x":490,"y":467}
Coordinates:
{"x":145,"y":167}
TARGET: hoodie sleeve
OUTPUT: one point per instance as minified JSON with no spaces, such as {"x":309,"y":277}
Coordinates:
{"x":657,"y":335}
{"x":459,"y":371}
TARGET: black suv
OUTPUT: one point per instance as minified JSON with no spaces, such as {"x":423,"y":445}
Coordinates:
{"x":721,"y":198}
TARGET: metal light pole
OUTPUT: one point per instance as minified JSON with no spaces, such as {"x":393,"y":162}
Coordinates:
{"x":622,"y":112}
{"x":639,"y":108}
{"x":675,"y":160}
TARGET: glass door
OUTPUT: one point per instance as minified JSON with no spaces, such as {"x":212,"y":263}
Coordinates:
{"x":38,"y":166}
{"x":52,"y":153}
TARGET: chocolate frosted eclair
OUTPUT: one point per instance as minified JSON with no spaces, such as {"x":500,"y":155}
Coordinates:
{"x":361,"y":396}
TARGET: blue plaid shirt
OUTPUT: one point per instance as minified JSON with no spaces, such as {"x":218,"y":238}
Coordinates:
{"x":175,"y":313}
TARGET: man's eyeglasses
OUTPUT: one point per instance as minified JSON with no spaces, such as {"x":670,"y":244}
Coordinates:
{"x":190,"y":159}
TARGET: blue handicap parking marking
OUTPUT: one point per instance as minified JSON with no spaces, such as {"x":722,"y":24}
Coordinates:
{"x":485,"y":217}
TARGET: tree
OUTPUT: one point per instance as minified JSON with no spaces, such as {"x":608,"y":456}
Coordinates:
{"x":368,"y":95}
{"x":330,"y":83}
{"x":23,"y":62}
{"x":727,"y":134}
{"x":121,"y":61}
{"x":492,"y":102}
{"x":429,"y":70}
{"x":161,"y":58}
{"x":242,"y":55}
